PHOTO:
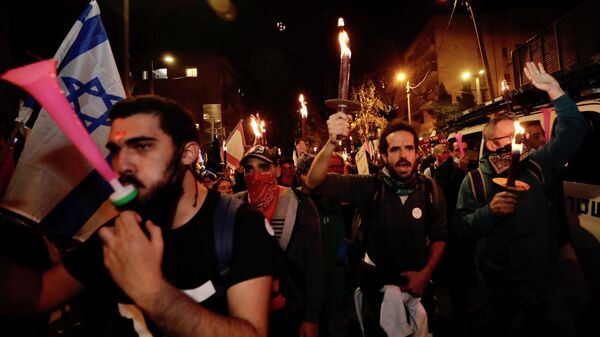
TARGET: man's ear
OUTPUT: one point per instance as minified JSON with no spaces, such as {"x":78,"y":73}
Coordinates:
{"x":278,"y":171}
{"x":190,"y":153}
{"x":491,"y":145}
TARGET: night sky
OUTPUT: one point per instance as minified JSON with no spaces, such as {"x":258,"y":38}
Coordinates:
{"x":273,"y":65}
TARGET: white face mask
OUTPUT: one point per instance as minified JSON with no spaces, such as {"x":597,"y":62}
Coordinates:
{"x":456,"y":160}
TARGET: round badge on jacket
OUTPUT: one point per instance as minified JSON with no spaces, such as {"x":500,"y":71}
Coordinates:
{"x":417,"y":213}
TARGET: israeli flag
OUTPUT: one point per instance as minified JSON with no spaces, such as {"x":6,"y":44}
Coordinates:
{"x":53,"y":183}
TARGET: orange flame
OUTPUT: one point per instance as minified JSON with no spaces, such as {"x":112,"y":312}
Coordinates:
{"x":303,"y":109}
{"x":255,"y":127}
{"x":504,"y":86}
{"x":519,"y":131}
{"x":344,"y":41}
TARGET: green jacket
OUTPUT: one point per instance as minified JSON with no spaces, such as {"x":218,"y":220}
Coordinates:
{"x":521,"y":248}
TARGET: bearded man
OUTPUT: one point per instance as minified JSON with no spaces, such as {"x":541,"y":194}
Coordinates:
{"x":403,"y":229}
{"x":166,"y":280}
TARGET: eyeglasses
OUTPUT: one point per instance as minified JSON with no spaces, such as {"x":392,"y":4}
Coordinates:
{"x":511,"y":136}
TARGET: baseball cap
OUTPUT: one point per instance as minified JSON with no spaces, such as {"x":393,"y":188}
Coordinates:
{"x":261,"y":152}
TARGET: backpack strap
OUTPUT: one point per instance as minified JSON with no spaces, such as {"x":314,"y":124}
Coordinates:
{"x":290,"y":219}
{"x":536,"y":170}
{"x":478,"y":188}
{"x":429,"y":197}
{"x":224,"y":220}
{"x":362,"y":217}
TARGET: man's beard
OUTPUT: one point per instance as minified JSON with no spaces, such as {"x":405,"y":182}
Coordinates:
{"x":160,"y":204}
{"x":397,"y":165}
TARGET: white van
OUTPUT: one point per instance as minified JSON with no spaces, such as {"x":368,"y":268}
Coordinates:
{"x":581,"y":182}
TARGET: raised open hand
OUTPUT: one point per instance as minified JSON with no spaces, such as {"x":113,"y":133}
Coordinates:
{"x":542,"y":80}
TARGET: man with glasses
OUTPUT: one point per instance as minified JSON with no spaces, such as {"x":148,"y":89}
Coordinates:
{"x":464,"y":160}
{"x":516,"y":250}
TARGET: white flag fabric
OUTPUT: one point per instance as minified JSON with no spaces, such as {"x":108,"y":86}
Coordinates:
{"x":236,"y":145}
{"x":52,"y":177}
{"x":362,"y":163}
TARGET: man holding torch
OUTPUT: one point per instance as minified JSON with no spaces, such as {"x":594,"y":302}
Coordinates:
{"x":516,"y":250}
{"x":158,"y":266}
{"x":402,"y":233}
{"x":402,"y":230}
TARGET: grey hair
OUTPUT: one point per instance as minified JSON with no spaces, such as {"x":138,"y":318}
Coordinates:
{"x":488,"y":129}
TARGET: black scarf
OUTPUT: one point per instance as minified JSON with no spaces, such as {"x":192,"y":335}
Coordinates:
{"x":391,"y":179}
{"x":501,"y":158}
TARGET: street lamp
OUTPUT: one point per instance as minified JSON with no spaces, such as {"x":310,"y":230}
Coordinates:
{"x":466,"y":76}
{"x":168,"y":59}
{"x":401,"y":77}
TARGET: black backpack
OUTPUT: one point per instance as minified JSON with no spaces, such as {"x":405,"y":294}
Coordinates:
{"x":224,"y":220}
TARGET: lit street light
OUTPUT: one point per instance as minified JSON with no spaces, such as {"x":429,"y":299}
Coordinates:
{"x":401,"y":77}
{"x":168,"y":59}
{"x":466,"y":76}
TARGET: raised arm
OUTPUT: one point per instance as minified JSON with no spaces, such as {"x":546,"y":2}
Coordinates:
{"x":570,"y":128}
{"x":338,"y":124}
{"x":542,"y":80}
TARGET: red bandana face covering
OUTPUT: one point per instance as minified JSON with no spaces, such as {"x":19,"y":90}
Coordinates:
{"x":263,"y":193}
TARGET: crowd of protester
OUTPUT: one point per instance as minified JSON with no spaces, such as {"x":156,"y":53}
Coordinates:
{"x":306,"y":247}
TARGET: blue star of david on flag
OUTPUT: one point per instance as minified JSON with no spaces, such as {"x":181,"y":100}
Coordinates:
{"x":39,"y":189}
{"x":76,"y":89}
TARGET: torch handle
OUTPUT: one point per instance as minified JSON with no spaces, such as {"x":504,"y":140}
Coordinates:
{"x":513,"y":169}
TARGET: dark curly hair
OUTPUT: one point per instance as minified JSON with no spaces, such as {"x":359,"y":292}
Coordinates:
{"x":392,"y":127}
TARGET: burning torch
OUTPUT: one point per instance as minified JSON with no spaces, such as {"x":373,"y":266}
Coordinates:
{"x":511,"y":181}
{"x":342,"y":103}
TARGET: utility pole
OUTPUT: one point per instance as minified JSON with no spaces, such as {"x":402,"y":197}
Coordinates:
{"x":408,"y":100}
{"x":126,"y":70}
{"x":481,"y":50}
{"x":151,"y":76}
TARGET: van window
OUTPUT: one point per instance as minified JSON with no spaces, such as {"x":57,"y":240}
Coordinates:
{"x":582,"y":168}
{"x":473,"y":141}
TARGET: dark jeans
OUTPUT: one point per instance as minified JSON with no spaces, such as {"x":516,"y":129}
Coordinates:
{"x":526,"y":311}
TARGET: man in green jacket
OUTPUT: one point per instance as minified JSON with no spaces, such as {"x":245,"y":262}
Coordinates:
{"x":516,"y":248}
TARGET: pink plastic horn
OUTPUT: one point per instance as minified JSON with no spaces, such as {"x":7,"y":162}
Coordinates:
{"x":458,"y":137}
{"x":39,"y":80}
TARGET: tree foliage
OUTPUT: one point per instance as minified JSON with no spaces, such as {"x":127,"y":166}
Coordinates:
{"x":368,"y":121}
{"x":445,"y":110}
